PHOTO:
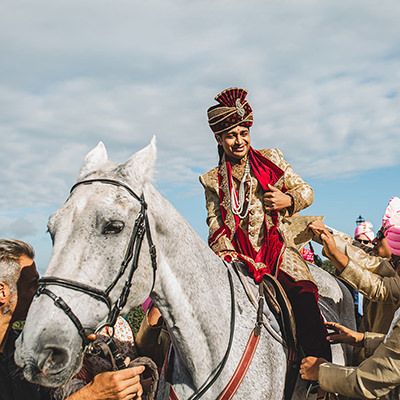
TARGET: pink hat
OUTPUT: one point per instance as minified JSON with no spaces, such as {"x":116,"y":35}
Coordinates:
{"x":391,"y":225}
{"x":365,"y":228}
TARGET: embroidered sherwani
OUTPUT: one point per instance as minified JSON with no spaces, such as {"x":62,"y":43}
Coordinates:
{"x":302,"y":194}
{"x":374,"y":277}
{"x":268,"y":242}
{"x":373,"y":378}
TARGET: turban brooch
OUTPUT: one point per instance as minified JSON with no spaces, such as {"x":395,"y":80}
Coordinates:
{"x":232,"y":110}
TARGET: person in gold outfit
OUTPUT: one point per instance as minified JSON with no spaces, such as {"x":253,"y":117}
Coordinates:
{"x":379,"y":374}
{"x":250,"y":198}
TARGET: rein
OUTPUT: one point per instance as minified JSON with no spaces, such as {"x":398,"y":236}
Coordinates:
{"x":210,"y":381}
{"x":140,"y":228}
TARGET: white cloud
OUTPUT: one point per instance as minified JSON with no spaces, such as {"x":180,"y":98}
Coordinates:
{"x":19,"y":227}
{"x":323,"y":80}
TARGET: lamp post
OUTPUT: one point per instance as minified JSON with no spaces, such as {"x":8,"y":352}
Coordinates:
{"x":358,"y":297}
{"x":360,"y":220}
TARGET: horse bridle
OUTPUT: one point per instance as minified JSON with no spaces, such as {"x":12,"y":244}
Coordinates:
{"x":140,"y":228}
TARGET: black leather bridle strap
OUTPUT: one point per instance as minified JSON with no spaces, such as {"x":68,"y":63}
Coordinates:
{"x":79,"y":287}
{"x":152,"y":249}
{"x":137,"y":235}
{"x":110,"y":182}
{"x":60,"y":303}
{"x":133,"y":257}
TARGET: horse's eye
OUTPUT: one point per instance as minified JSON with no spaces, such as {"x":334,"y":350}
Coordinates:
{"x":113,"y":227}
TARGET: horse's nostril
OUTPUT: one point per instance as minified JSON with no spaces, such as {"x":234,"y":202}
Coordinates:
{"x":59,"y":356}
{"x":30,"y":369}
{"x":53,"y":360}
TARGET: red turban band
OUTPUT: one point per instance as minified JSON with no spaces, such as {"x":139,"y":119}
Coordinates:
{"x":232,"y":110}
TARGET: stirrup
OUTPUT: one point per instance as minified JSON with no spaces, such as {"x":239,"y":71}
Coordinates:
{"x":312,"y":389}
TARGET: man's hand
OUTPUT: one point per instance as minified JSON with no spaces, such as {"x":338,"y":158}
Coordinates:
{"x":309,"y":368}
{"x":339,"y":259}
{"x":114,"y":385}
{"x":318,"y":227}
{"x":344,"y":335}
{"x":320,"y":230}
{"x":275,"y":200}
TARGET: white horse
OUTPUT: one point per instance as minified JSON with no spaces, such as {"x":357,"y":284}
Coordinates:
{"x":90,"y":234}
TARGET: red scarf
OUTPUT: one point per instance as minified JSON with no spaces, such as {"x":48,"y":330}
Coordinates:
{"x":266,"y":259}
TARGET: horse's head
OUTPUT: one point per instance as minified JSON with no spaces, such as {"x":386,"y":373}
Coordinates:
{"x":90,"y":234}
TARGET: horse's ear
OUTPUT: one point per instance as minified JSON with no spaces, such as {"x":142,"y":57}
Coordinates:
{"x":140,"y":167}
{"x":94,"y":160}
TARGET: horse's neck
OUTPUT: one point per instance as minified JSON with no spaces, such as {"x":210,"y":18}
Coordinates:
{"x":192,"y":291}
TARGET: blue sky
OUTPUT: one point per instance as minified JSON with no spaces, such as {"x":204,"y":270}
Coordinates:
{"x":323,"y":79}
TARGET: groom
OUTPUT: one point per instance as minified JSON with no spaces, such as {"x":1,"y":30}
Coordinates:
{"x":249,"y":197}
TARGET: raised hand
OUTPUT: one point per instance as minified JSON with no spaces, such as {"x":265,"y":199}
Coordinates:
{"x":326,"y":237}
{"x":342,"y":334}
{"x":339,"y":259}
{"x":318,"y":227}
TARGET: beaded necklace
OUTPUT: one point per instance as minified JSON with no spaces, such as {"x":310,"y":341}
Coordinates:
{"x":238,"y":204}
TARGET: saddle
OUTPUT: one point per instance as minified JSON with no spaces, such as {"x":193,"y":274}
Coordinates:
{"x":280,"y":306}
{"x":278,"y":303}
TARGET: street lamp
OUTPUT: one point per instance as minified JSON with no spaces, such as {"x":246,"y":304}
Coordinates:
{"x":360,"y":220}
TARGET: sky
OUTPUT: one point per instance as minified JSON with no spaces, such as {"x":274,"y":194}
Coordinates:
{"x":323,"y":81}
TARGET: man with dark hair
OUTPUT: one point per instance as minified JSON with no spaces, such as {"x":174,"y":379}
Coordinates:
{"x":250,"y":197}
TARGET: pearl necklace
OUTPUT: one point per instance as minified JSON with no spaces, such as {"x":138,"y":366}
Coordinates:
{"x":237,"y":204}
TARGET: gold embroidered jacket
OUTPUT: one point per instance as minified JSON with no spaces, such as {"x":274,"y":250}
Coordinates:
{"x":293,"y":229}
{"x":373,"y":378}
{"x":381,"y":294}
{"x":376,"y":279}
